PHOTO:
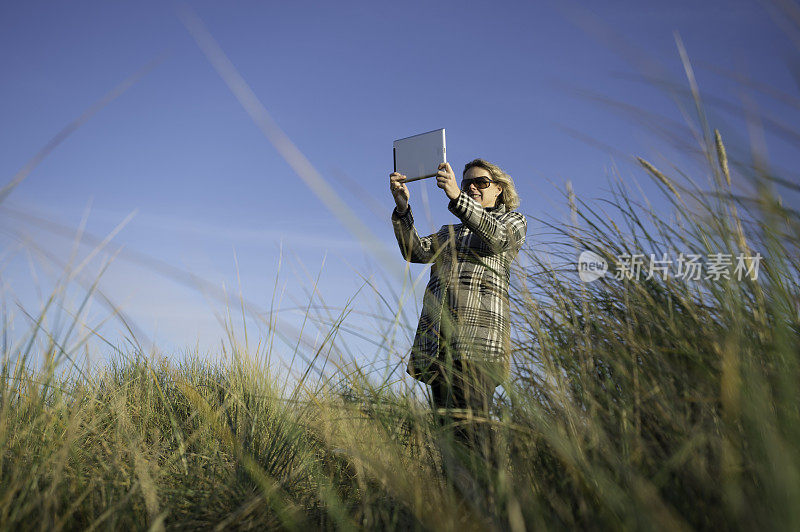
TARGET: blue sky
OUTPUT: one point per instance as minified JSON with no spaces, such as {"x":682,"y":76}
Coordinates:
{"x":508,"y":81}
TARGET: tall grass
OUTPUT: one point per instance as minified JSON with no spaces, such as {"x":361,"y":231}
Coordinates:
{"x":653,"y":403}
{"x":667,"y":401}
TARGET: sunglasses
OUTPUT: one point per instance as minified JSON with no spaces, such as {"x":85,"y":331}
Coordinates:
{"x":479,"y":182}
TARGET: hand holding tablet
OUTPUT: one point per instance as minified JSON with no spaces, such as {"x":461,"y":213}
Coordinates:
{"x":399,"y":191}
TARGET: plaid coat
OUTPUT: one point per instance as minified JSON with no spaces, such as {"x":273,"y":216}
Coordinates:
{"x":465,"y":309}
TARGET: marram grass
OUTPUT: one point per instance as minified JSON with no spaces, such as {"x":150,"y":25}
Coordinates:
{"x":633,"y":404}
{"x":655,"y":403}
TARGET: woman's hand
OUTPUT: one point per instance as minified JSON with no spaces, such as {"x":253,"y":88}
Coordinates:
{"x":446,"y":180}
{"x":399,"y":191}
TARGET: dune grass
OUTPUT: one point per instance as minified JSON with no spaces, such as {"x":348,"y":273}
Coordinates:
{"x":649,"y":403}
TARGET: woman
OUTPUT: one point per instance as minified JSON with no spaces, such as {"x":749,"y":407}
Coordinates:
{"x":462,"y":344}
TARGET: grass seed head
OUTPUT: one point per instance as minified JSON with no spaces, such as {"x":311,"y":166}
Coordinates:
{"x":661,"y":177}
{"x":722,"y":156}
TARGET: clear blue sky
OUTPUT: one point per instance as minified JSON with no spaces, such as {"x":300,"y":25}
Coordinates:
{"x":507,"y":80}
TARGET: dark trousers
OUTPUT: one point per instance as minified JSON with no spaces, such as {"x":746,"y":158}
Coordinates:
{"x":461,"y":396}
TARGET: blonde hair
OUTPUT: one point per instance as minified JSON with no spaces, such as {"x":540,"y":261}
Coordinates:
{"x":509,"y":196}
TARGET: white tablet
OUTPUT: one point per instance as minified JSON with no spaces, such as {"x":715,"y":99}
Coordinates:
{"x":419,"y":156}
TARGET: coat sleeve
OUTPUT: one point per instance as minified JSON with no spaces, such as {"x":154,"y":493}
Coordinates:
{"x":413,"y":247}
{"x":499,"y":236}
